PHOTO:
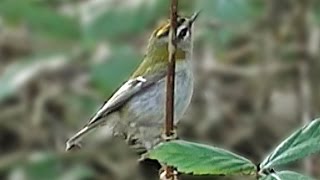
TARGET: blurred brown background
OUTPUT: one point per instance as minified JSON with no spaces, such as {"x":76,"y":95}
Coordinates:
{"x":256,"y":65}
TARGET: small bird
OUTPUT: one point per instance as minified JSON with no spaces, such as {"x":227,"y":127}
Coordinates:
{"x":140,"y":101}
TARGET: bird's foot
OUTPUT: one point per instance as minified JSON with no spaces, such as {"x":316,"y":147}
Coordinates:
{"x":130,"y":139}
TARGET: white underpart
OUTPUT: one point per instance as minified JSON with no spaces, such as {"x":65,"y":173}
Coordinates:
{"x":145,"y":112}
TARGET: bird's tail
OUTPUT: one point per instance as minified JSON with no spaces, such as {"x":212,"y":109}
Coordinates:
{"x":75,"y":139}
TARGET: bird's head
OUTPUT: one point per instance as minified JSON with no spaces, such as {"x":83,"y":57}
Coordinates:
{"x":160,"y":37}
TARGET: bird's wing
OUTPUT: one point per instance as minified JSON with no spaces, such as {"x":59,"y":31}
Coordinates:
{"x":117,"y":100}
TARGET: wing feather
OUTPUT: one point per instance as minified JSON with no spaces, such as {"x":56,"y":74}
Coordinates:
{"x":117,"y":100}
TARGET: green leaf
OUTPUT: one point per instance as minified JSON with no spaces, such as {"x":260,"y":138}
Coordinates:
{"x":286,"y":175}
{"x":201,"y":159}
{"x":302,"y":143}
{"x":40,"y":19}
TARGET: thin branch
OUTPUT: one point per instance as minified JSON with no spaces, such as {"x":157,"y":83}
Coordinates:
{"x":171,"y":69}
{"x":170,"y":81}
{"x":304,"y":70}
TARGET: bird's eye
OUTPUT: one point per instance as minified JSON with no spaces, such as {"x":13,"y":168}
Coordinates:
{"x":183,"y":33}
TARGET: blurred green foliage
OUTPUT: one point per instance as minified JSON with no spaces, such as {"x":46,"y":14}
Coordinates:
{"x":119,"y":24}
{"x":51,"y":166}
{"x":124,"y":59}
{"x":231,"y":18}
{"x":40,"y":18}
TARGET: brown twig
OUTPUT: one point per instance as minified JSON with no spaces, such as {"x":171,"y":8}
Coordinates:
{"x":304,"y":70}
{"x":170,"y":79}
{"x":171,"y":69}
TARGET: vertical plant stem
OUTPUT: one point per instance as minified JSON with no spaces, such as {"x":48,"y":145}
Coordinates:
{"x":304,"y":70}
{"x":171,"y":68}
{"x":305,"y":96}
{"x":170,"y":79}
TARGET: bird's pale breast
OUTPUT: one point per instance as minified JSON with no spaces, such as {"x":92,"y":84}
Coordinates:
{"x":145,"y":112}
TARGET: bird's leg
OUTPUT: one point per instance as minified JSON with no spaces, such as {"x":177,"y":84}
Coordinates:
{"x":135,"y":144}
{"x":129,"y":139}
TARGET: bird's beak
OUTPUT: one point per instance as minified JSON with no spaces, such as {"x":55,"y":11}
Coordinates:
{"x":193,"y":17}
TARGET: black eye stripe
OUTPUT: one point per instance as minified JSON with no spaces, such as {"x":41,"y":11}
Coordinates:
{"x":183,"y":33}
{"x":180,"y":22}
